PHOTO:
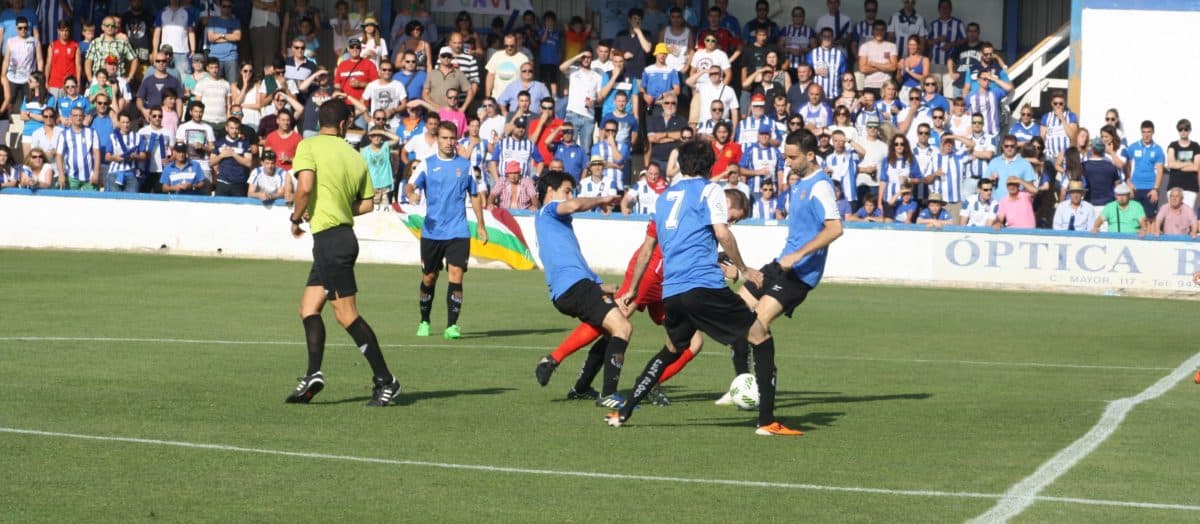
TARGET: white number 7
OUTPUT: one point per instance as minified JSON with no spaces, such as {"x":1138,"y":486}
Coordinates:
{"x":675,"y":198}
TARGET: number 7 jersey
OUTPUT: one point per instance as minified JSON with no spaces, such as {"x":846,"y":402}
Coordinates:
{"x":684,"y":216}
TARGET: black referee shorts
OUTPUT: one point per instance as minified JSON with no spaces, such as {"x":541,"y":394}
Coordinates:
{"x":334,"y":252}
{"x":719,"y":313}
{"x":782,"y":285}
{"x":585,"y":301}
{"x":455,"y":252}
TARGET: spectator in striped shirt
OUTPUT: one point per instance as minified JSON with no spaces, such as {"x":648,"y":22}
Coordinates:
{"x":125,"y":155}
{"x":905,"y":23}
{"x":78,"y":155}
{"x":797,"y":39}
{"x":1059,"y":126}
{"x":837,"y":21}
{"x":986,"y":104}
{"x":945,"y":34}
{"x":828,"y":63}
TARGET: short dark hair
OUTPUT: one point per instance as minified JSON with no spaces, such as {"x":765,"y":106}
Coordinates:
{"x":636,"y":11}
{"x":1146,"y":124}
{"x":552,"y":180}
{"x":804,"y":139}
{"x":737,"y":199}
{"x":194,"y":105}
{"x":696,"y":158}
{"x":332,"y":114}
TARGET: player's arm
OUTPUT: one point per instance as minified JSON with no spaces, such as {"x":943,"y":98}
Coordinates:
{"x":304,"y":187}
{"x":576,"y":205}
{"x":639,"y":269}
{"x":831,"y":231}
{"x":480,"y":226}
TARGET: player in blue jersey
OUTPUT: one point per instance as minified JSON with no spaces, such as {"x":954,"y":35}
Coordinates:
{"x":813,"y":223}
{"x":575,"y":289}
{"x":691,"y":218}
{"x":446,"y":179}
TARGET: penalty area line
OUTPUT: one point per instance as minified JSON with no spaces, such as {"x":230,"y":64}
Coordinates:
{"x":1023,"y":494}
{"x":468,"y":345}
{"x":578,"y":474}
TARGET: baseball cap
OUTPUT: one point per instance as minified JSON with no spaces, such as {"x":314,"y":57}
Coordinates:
{"x":112,"y":59}
{"x":521,"y":122}
{"x":1097,"y":146}
{"x":180,"y":147}
{"x":512,"y":167}
{"x":354,"y":42}
{"x":765,"y":129}
{"x":661,"y":49}
{"x":758,"y":100}
{"x":1122,"y":189}
{"x":872,"y":121}
{"x":446,"y":51}
{"x":199,"y":57}
{"x":165,"y":48}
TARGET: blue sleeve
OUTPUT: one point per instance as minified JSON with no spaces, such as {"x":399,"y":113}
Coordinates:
{"x":925,"y":214}
{"x":745,"y":160}
{"x":195,"y":166}
{"x":158,"y":20}
{"x":536,"y":155}
{"x":496,"y":154}
{"x":914,"y":170}
{"x":779,"y":164}
{"x":419,"y":181}
{"x":1125,"y":153}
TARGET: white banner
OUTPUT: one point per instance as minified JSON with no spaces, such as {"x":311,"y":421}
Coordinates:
{"x":482,"y":7}
{"x":1039,"y":260}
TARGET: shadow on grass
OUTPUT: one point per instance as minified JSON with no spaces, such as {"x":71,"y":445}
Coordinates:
{"x":407,"y":398}
{"x":798,"y":400}
{"x":711,"y":397}
{"x":746,"y":419}
{"x":512,"y":332}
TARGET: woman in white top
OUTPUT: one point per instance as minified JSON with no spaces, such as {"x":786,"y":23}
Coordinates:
{"x":39,"y":174}
{"x":46,"y":138}
{"x":374,"y":47}
{"x":843,"y":123}
{"x":245,"y":92}
{"x":342,"y":29}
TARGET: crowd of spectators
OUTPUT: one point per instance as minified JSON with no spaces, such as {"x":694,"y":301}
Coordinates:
{"x":911,"y":108}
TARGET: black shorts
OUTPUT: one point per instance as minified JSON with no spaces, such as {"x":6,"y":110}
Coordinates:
{"x":334,"y":252}
{"x":454,"y":251}
{"x":782,"y":285}
{"x":585,"y":301}
{"x":231,"y":190}
{"x":719,"y":313}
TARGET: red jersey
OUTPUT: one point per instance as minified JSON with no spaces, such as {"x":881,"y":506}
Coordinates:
{"x":351,"y":71}
{"x":62,"y":62}
{"x":649,"y":294}
{"x":725,"y":39}
{"x":729,"y":154}
{"x":284,"y":148}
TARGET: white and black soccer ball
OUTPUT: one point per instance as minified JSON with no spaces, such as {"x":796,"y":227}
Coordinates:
{"x":744,"y":391}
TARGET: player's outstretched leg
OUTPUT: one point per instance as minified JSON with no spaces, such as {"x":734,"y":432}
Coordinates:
{"x":764,"y":374}
{"x":645,"y":381}
{"x":583,"y":335}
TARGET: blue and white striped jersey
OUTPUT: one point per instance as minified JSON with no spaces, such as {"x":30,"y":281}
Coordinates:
{"x":521,"y":151}
{"x":950,"y":183}
{"x":747,"y":129}
{"x":156,"y":143}
{"x":944,"y":31}
{"x":1057,"y":140}
{"x":79,"y":150}
{"x":895,"y":174}
{"x":764,"y":208}
{"x":842,"y":168}
{"x":792,"y":37}
{"x":834,"y":60}
{"x":819,"y":115}
{"x":864,"y":31}
{"x":125,"y":145}
{"x":988,"y":105}
{"x":615,"y":176}
{"x":589,"y":187}
{"x":757,"y":157}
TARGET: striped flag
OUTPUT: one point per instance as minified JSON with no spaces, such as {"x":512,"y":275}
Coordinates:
{"x":506,"y":242}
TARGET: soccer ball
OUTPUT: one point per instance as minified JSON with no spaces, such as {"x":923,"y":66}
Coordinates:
{"x":744,"y":391}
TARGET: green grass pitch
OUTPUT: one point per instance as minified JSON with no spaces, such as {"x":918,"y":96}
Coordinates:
{"x":901,"y":391}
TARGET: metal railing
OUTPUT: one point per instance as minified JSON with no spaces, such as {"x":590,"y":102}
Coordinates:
{"x":1035,"y":72}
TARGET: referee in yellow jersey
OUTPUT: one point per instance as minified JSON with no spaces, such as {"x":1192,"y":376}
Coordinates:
{"x":333,"y":186}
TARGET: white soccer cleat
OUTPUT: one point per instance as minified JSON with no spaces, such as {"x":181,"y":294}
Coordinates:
{"x":725,"y":400}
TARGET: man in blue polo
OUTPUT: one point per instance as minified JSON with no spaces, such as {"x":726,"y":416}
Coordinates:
{"x":1009,"y":164}
{"x":1144,"y":163}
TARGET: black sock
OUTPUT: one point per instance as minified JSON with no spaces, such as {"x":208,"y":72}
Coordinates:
{"x":454,"y":299}
{"x":364,"y":338}
{"x":591,"y":366}
{"x":314,"y":334}
{"x":648,"y":379}
{"x":614,"y":358}
{"x":741,"y":357}
{"x":764,"y":374}
{"x":426,"y":301}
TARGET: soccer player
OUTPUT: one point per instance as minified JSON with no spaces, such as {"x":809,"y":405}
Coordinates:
{"x":649,"y":298}
{"x":333,"y":186}
{"x":446,"y":179}
{"x":813,"y":223}
{"x":575,"y":289}
{"x":691,"y":219}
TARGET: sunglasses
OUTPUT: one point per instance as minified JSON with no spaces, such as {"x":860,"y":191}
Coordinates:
{"x":297,"y":47}
{"x":108,"y":25}
{"x":1058,"y":104}
{"x":1183,"y":129}
{"x":36,"y":157}
{"x":923,"y":133}
{"x":980,"y":122}
{"x":985,"y":190}
{"x":547,"y":107}
{"x":238,"y":113}
{"x":668,"y":103}
{"x":156,"y":115}
{"x":523,"y":70}
{"x":939,"y":117}
{"x":1110,"y":119}
{"x":898,"y":144}
{"x":1009,"y":146}
{"x":607,"y":130}
{"x":385,"y":70}
{"x":930,"y":84}
{"x":160,"y":61}
{"x":794,"y":123}
{"x":568,"y":131}
{"x":410,"y":61}
{"x":101,"y":102}
{"x":69,"y":86}
{"x":355,"y":47}
{"x":1026,"y":114}
{"x":22,"y":27}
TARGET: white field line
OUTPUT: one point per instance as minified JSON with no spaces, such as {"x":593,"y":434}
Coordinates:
{"x":584,"y":474}
{"x":718,"y":352}
{"x":1024,"y":493}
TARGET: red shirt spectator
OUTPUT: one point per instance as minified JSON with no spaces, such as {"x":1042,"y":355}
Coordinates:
{"x":284,"y":144}
{"x":726,"y":41}
{"x":64,"y":56}
{"x":354,"y":73}
{"x":726,"y":155}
